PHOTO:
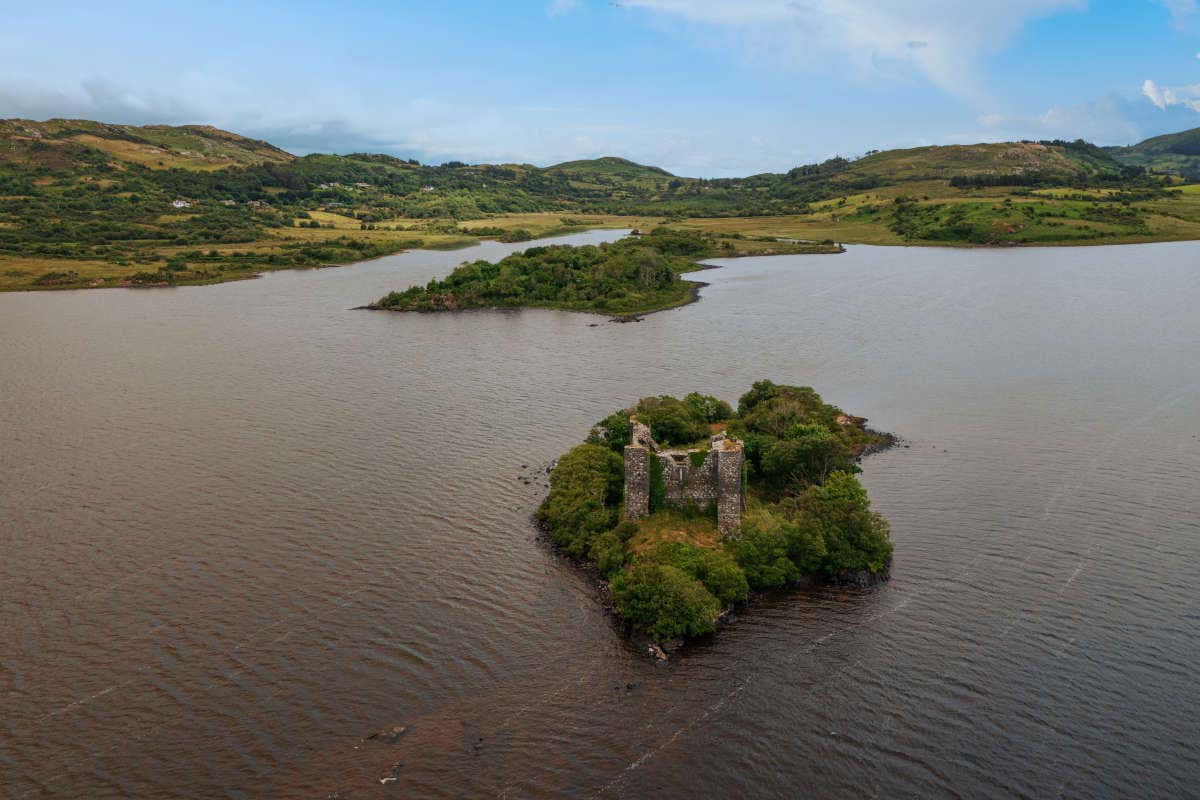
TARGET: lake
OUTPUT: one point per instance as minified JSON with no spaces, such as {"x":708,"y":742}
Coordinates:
{"x":245,"y":529}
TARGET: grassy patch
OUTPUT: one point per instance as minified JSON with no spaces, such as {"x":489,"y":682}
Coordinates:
{"x":673,"y":525}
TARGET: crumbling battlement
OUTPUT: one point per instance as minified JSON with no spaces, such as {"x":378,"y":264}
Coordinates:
{"x":686,"y":479}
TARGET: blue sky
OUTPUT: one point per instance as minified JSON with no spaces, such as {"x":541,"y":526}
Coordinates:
{"x":701,"y":87}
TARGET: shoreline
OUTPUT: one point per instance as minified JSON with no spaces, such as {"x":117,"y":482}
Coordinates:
{"x":660,"y":652}
{"x":260,"y":270}
{"x":621,"y":317}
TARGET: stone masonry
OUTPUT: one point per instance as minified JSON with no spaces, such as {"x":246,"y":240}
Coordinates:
{"x":637,"y":481}
{"x":687,"y":479}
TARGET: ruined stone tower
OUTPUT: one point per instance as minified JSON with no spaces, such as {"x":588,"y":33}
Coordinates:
{"x":688,"y":477}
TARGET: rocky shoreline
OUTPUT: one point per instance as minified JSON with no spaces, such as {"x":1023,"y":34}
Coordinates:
{"x":661,"y":651}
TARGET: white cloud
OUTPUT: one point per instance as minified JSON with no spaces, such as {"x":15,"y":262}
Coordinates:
{"x":1150,"y":90}
{"x":1164,"y":97}
{"x":1182,"y":11}
{"x":557,"y":8}
{"x":1105,"y":121}
{"x":942,"y":40}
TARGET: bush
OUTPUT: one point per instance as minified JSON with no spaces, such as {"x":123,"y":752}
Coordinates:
{"x":708,"y":408}
{"x":716,"y":569}
{"x":614,"y":431}
{"x":664,"y":602}
{"x":144,"y":278}
{"x":626,"y":530}
{"x":806,"y":454}
{"x":672,"y":421}
{"x":585,"y":490}
{"x":608,"y":552}
{"x":763,"y":554}
{"x":56,"y":278}
{"x":805,"y":547}
{"x":838,"y":512}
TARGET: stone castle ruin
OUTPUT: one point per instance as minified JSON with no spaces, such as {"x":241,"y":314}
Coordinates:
{"x":687,"y":479}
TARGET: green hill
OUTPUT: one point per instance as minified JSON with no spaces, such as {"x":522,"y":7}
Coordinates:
{"x":1049,"y":161}
{"x":73,"y":143}
{"x":86,"y":203}
{"x":1172,"y":153}
{"x":611,"y":168}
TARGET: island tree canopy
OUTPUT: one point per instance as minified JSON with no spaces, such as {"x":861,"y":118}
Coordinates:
{"x":671,"y":575}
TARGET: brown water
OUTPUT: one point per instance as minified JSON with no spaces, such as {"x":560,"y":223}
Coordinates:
{"x":245,"y":527}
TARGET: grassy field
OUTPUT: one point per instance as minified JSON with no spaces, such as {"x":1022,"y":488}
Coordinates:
{"x":1044,"y":217}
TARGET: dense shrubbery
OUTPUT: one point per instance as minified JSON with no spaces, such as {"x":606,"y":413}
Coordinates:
{"x":585,"y":489}
{"x":807,"y":515}
{"x":988,"y":223}
{"x":634,"y":274}
{"x":664,"y":601}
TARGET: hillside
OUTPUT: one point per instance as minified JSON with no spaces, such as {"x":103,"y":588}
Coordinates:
{"x":612,"y":170}
{"x":1173,"y":153}
{"x":1049,"y":161}
{"x":59,"y":143}
{"x":91,"y":204}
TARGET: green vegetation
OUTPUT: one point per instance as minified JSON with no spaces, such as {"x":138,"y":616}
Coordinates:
{"x":671,"y":574}
{"x":1172,"y":153}
{"x":101,"y":203}
{"x":636,"y":275}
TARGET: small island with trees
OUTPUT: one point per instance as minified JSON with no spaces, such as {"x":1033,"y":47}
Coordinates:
{"x":685,"y":509}
{"x":640,"y":274}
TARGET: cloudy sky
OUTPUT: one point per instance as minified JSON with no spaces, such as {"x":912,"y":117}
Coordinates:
{"x":701,"y":87}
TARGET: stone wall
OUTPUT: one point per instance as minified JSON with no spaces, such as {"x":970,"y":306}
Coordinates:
{"x":686,"y":483}
{"x":729,"y":490}
{"x":637,"y":481}
{"x":718,"y":479}
{"x":640,"y":434}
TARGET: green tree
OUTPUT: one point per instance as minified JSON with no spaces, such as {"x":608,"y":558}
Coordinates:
{"x":585,"y":489}
{"x":838,"y":512}
{"x":716,"y":569}
{"x":664,"y":602}
{"x":671,"y":420}
{"x":763,"y":555}
{"x":614,"y":431}
{"x":806,"y":454}
{"x":708,"y":408}
{"x":608,"y":552}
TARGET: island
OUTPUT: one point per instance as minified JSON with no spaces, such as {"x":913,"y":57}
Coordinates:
{"x":684,"y":509}
{"x":637,"y":275}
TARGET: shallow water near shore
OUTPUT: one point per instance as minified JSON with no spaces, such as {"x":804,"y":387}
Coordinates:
{"x":243,"y":528}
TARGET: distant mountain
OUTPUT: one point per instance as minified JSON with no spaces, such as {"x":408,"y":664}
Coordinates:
{"x":83,"y":145}
{"x":1176,"y":153}
{"x":1051,"y":161}
{"x":62,"y":143}
{"x":610,"y":167}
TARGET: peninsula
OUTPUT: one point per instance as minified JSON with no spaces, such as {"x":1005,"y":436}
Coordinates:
{"x":637,"y":275}
{"x":685,"y":507}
